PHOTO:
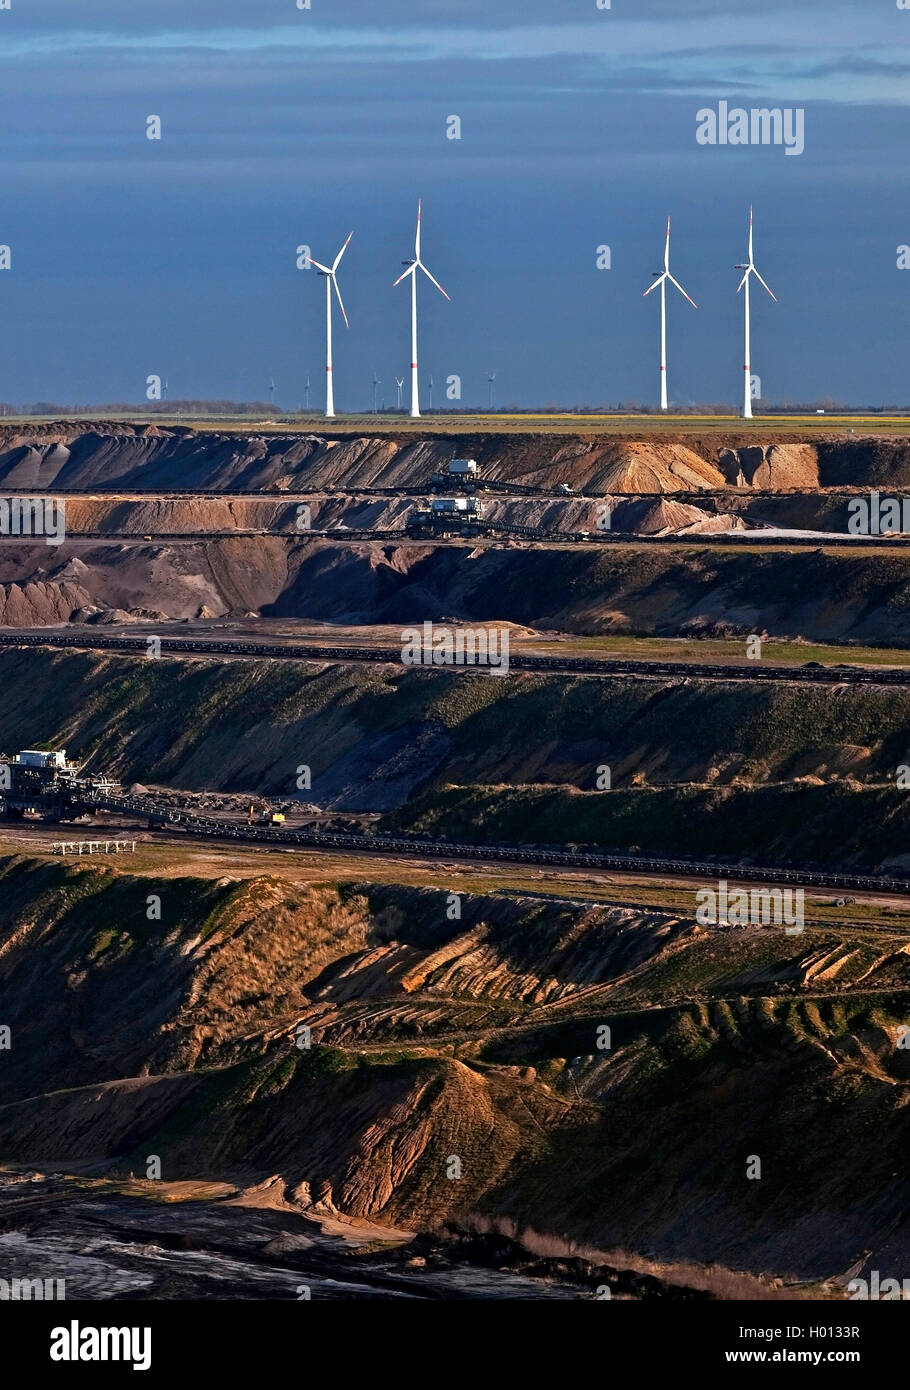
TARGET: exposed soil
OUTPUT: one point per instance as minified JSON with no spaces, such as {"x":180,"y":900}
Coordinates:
{"x":153,"y":457}
{"x":820,"y":595}
{"x":473,"y":1039}
{"x":324,"y":1066}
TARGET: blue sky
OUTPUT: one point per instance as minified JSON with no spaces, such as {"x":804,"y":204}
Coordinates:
{"x":283,"y":127}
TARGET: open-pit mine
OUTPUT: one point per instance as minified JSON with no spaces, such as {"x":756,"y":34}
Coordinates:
{"x":395,"y":985}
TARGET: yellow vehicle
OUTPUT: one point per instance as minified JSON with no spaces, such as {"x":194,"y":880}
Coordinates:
{"x":264,"y":815}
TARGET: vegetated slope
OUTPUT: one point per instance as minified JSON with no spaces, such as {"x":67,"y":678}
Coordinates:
{"x":838,"y":826}
{"x":375,"y":737}
{"x":830,"y":596}
{"x":474,"y":1040}
{"x":44,"y":457}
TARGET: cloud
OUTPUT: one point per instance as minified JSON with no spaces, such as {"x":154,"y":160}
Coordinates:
{"x":706,"y":48}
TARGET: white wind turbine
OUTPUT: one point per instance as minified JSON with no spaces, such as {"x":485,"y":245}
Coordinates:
{"x":750,"y":270}
{"x":330,"y":281}
{"x":661,"y":278}
{"x":412,"y":269}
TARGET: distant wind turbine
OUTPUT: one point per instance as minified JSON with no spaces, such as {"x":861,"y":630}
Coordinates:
{"x":661,"y":279}
{"x":430,"y":384}
{"x":331,"y":280}
{"x":749,"y":268}
{"x":376,"y":382}
{"x":399,"y":384}
{"x":272,"y":391}
{"x":492,"y":381}
{"x":412,"y":269}
{"x":307,"y":394}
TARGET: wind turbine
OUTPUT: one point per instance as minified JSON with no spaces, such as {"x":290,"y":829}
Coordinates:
{"x":330,"y":281}
{"x":492,"y":380}
{"x":430,"y":384}
{"x":376,"y":382}
{"x":272,"y":392}
{"x":412,"y":269}
{"x":661,"y":278}
{"x":750,"y":270}
{"x":307,"y":394}
{"x":399,"y":384}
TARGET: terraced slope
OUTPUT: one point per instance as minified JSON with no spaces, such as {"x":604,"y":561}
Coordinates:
{"x":820,"y":595}
{"x":248,"y":718}
{"x":105,"y":455}
{"x":475,"y":1039}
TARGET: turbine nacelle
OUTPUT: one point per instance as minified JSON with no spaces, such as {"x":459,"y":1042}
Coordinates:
{"x":411,"y":267}
{"x":328,"y":274}
{"x":749,"y":269}
{"x":749,"y":266}
{"x":662,"y":278}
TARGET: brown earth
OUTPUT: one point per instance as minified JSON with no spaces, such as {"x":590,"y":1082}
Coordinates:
{"x":205,"y":515}
{"x":473,"y":1038}
{"x":826,"y":596}
{"x":42,"y":458}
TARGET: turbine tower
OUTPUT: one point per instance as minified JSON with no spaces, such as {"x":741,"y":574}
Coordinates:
{"x":412,"y":269}
{"x":749,"y":268}
{"x":331,"y":280}
{"x":661,"y":278}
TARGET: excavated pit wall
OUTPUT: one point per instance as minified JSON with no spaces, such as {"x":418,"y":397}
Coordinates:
{"x":156,"y":458}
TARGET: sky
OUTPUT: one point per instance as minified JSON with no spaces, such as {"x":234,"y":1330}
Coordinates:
{"x":283,"y":127}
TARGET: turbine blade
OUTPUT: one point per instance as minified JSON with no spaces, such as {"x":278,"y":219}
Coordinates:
{"x":682,"y":291}
{"x":755,"y":272}
{"x":417,"y":237}
{"x":324,"y":268}
{"x":750,"y":233}
{"x":744,"y":279}
{"x":344,"y":248}
{"x":659,"y":281}
{"x":435,"y":281}
{"x":340,"y":301}
{"x":667,"y":248}
{"x":410,"y":271}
